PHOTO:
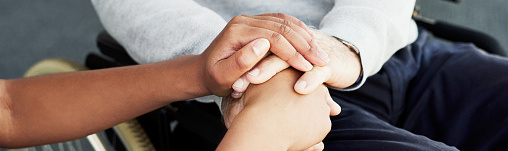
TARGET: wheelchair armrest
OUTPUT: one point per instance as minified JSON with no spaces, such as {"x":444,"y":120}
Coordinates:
{"x":457,"y":33}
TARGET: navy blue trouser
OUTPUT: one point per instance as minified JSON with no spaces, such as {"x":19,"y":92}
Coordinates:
{"x":431,"y":95}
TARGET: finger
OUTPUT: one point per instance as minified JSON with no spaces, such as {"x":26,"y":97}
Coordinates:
{"x":244,"y":59}
{"x":295,"y":35}
{"x":278,"y":43}
{"x":291,"y":19}
{"x":241,"y":84}
{"x":310,"y":80}
{"x":236,"y":94}
{"x":288,"y":53}
{"x":266,"y":69}
{"x":291,"y":24}
{"x":318,"y":147}
{"x":334,"y":107}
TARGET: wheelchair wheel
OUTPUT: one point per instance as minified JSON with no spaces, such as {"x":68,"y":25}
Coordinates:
{"x":133,"y":136}
{"x":51,"y":66}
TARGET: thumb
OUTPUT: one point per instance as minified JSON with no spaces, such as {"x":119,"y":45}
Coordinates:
{"x":244,"y":59}
{"x":310,"y":80}
{"x":318,"y":147}
{"x":334,"y":107}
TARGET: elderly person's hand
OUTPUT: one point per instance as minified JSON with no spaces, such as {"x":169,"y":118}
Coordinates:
{"x":343,"y":70}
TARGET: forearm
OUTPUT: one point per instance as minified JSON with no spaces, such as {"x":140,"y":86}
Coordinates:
{"x":377,"y":28}
{"x":71,"y":105}
{"x":252,"y":131}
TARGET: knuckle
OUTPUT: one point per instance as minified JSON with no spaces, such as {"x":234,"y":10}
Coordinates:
{"x":300,"y":23}
{"x":281,"y":15}
{"x":229,"y":33}
{"x":276,"y":37}
{"x":287,"y":23}
{"x":238,"y":18}
{"x":286,"y":30}
{"x":307,"y":50}
{"x":233,"y":28}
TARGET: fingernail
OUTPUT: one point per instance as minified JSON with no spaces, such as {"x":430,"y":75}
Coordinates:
{"x":238,"y":83}
{"x":236,"y":95}
{"x":301,"y":85}
{"x":259,"y":45}
{"x":254,"y":72}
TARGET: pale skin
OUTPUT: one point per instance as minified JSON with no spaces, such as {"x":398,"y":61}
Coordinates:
{"x":279,"y":90}
{"x":343,"y":70}
{"x":276,"y":104}
{"x":60,"y":107}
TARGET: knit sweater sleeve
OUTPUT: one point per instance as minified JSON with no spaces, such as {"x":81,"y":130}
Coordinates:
{"x":378,"y":28}
{"x":158,"y":30}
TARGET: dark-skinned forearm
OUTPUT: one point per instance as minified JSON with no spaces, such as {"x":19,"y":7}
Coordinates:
{"x":71,"y":105}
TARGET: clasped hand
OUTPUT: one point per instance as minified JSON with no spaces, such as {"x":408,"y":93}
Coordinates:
{"x":252,"y":49}
{"x":246,"y":40}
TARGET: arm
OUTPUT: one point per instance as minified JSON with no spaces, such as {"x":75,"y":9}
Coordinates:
{"x":65,"y":106}
{"x":70,"y":105}
{"x":53,"y":108}
{"x":272,"y":116}
{"x":377,"y":28}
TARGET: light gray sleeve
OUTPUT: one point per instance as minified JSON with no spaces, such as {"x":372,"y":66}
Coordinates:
{"x":158,"y":30}
{"x":378,"y":28}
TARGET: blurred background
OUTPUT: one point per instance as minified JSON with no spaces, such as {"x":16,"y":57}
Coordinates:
{"x":31,"y":31}
{"x":34,"y":30}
